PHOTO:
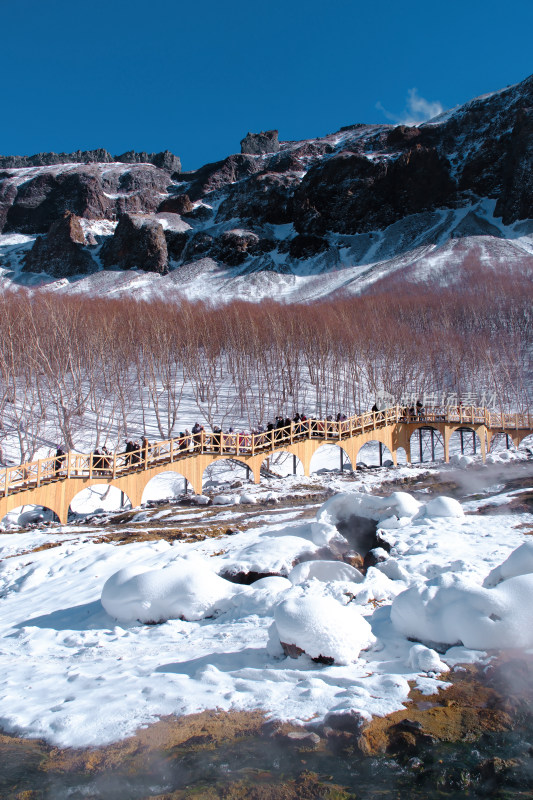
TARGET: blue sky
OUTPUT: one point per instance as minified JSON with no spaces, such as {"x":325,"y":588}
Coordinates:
{"x":195,"y":77}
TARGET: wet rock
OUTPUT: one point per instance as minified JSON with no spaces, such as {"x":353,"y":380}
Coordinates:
{"x":307,"y":738}
{"x":258,"y":143}
{"x":375,"y":556}
{"x":138,"y":243}
{"x":61,"y":253}
{"x":360,"y":533}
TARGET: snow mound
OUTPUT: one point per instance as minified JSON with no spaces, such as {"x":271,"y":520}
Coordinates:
{"x":450,"y":610}
{"x":323,"y":627}
{"x":341,"y":507}
{"x":247,"y":499}
{"x":324,"y":571}
{"x":320,"y":533}
{"x":423,"y":659}
{"x":443,"y":507}
{"x":200,"y":499}
{"x":181,"y":590}
{"x":225,"y":500}
{"x":520,"y":562}
{"x":274,"y":554}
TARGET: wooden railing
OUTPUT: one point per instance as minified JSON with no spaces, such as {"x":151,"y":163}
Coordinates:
{"x":78,"y":465}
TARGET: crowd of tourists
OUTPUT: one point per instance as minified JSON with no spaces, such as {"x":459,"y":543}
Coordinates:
{"x":282,"y":429}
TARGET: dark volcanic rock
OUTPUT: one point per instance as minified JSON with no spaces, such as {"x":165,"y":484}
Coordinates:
{"x":142,"y":177}
{"x":214,"y":176}
{"x":43,"y":199}
{"x":350,"y":193}
{"x":61,"y":253}
{"x":305,"y":246}
{"x":47,"y":159}
{"x":402,"y":136}
{"x":138,"y":243}
{"x":516,"y":198}
{"x":165,"y":160}
{"x":178,"y":204}
{"x":233,"y":247}
{"x":256,"y":144}
{"x":144,"y":201}
{"x":8,"y":192}
{"x":176,"y":242}
{"x":198,"y":246}
{"x":267,"y":197}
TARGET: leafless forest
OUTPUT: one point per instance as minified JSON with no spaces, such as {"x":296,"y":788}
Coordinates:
{"x":71,"y":362}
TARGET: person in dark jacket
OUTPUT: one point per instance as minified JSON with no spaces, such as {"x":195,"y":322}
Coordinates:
{"x":60,"y":457}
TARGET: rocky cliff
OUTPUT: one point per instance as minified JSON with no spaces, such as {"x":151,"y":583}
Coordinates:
{"x":365,"y":201}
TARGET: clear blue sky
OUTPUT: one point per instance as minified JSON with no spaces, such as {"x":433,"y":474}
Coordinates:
{"x":195,"y":77}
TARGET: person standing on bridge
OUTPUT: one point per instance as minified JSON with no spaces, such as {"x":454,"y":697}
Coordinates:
{"x":60,"y":457}
{"x":145,"y":444}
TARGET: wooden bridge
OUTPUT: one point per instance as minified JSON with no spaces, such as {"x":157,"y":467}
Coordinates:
{"x":53,"y":482}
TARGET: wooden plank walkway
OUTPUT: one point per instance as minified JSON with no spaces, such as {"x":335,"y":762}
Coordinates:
{"x":53,"y":482}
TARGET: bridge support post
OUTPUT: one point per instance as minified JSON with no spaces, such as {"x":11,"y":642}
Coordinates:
{"x":432,"y":444}
{"x":447,"y":435}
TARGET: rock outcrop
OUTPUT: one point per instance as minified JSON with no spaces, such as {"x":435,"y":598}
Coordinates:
{"x":42,"y":200}
{"x":48,"y":159}
{"x":61,"y":253}
{"x":165,"y":160}
{"x":138,"y":243}
{"x":352,"y":193}
{"x":256,"y":144}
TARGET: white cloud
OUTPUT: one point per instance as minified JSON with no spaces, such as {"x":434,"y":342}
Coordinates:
{"x":417,"y":109}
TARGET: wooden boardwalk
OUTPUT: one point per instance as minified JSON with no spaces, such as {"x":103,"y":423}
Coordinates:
{"x":53,"y":482}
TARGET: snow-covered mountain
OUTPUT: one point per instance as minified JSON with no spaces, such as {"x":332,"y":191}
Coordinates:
{"x":369,"y":204}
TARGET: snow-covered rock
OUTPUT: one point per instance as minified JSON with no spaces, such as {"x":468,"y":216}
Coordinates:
{"x":323,"y":627}
{"x":225,"y":500}
{"x":274,"y":554}
{"x":443,"y":507}
{"x":324,"y":571}
{"x":520,"y":562}
{"x":424,"y":659}
{"x":200,"y":499}
{"x":341,"y":507}
{"x":452,"y":610}
{"x":182,"y":590}
{"x":247,"y":499}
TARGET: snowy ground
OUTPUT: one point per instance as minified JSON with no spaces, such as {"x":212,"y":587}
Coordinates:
{"x":77,"y":675}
